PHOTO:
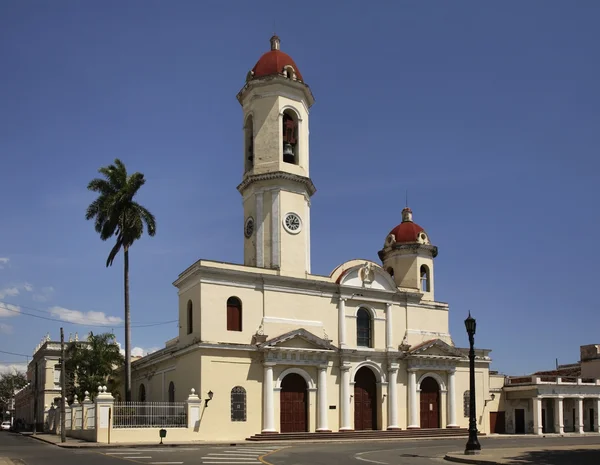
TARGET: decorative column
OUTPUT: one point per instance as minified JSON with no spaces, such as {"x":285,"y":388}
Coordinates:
{"x":596,"y":427}
{"x":193,"y":410}
{"x":579,"y":425}
{"x":268,"y":413}
{"x":559,"y":424}
{"x":104,"y":419}
{"x":322,"y":400}
{"x":537,"y":415}
{"x":412,"y":398}
{"x":345,"y":398}
{"x":393,"y":396}
{"x":451,"y":399}
{"x":342,"y":323}
{"x":388,"y":326}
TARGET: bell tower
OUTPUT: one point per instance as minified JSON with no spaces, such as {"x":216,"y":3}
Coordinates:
{"x":276,"y":187}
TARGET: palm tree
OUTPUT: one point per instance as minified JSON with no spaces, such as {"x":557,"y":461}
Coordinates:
{"x":92,"y":363}
{"x":117,"y":214}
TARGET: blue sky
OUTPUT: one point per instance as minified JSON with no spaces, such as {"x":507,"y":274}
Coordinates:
{"x":487,"y":112}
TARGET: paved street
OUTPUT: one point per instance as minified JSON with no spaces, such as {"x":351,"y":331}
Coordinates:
{"x":403,"y":452}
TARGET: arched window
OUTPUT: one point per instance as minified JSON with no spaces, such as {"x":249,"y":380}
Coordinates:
{"x":142,"y":393}
{"x":171,"y":392}
{"x":290,"y":137}
{"x":390,"y":270}
{"x":238,"y":404}
{"x":363,"y":328}
{"x":190,"y":317}
{"x":466,"y":403}
{"x":234,"y":314}
{"x":425,"y":281}
{"x":249,"y":144}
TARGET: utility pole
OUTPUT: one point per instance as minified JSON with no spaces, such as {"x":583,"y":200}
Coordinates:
{"x":63,"y":388}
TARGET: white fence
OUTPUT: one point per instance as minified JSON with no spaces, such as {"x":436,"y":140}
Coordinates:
{"x":150,"y":415}
{"x":90,"y":421}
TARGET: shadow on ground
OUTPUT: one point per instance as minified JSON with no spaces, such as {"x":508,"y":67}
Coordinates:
{"x":558,"y":457}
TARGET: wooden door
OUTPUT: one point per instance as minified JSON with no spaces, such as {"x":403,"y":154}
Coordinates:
{"x":519,"y":421}
{"x":430,"y":400}
{"x":293,"y":413}
{"x":365,"y":395}
{"x":497,"y":422}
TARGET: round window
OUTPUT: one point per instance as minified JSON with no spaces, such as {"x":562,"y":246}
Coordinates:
{"x":292,"y":223}
{"x":249,"y":227}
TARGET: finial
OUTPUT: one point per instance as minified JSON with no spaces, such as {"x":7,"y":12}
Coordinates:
{"x":275,"y":42}
{"x":406,"y":198}
{"x":192,"y":391}
{"x":76,"y":337}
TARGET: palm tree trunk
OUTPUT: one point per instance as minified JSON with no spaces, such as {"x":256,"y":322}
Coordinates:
{"x":127,"y":328}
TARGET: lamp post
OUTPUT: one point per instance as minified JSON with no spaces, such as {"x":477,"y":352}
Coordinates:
{"x":473,"y":447}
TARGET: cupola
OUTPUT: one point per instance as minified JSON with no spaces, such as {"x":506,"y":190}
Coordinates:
{"x":275,"y":63}
{"x":408,"y":254}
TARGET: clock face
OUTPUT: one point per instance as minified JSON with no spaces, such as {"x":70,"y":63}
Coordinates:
{"x":249,"y":227}
{"x":292,"y":223}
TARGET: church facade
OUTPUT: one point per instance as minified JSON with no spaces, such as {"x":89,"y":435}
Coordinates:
{"x":273,"y":348}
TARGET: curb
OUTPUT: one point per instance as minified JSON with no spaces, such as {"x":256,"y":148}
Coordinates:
{"x":455,"y":457}
{"x":95,"y":445}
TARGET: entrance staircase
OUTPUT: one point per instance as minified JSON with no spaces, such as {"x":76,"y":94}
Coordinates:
{"x":363,"y":435}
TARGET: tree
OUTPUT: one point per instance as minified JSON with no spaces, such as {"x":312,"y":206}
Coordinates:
{"x":117,"y":214}
{"x":92,"y":363}
{"x":9,"y":383}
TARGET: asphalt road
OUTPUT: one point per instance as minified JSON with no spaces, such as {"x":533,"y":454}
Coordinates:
{"x":402,"y":452}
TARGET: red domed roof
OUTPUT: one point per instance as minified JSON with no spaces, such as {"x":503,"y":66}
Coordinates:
{"x":273,"y":62}
{"x":408,"y":230}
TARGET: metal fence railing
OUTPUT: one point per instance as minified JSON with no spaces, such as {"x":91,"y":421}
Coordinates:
{"x":150,"y":415}
{"x":90,"y":417}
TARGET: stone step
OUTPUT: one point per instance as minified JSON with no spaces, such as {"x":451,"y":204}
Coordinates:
{"x":363,"y":435}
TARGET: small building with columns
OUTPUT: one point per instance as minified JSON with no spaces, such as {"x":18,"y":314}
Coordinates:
{"x":564,"y":400}
{"x":283,"y":350}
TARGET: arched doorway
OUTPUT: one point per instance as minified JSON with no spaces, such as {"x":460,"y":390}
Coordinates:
{"x":365,"y":400}
{"x":293,"y":403}
{"x":430,"y":403}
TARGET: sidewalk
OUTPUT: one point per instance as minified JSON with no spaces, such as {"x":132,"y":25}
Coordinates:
{"x":569,"y":455}
{"x":80,"y":443}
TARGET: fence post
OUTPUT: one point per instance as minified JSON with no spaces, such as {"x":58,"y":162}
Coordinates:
{"x":85,"y":405}
{"x":74,"y":407}
{"x":193,"y":410}
{"x":104,"y":414}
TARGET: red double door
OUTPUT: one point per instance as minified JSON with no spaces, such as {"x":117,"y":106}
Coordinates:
{"x":293,"y":403}
{"x":365,"y":400}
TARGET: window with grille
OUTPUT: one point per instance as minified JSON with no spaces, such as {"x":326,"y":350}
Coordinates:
{"x":363,"y":328}
{"x":467,"y":403}
{"x":238,"y":404}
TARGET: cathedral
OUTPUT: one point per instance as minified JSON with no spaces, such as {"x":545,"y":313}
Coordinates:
{"x":272,"y":348}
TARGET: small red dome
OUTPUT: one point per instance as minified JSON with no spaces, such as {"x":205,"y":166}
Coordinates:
{"x":408,"y":230}
{"x":273,"y":62}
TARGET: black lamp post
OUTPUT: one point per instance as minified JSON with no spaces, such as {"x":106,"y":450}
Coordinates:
{"x":473,"y":447}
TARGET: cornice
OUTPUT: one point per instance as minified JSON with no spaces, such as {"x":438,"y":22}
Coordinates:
{"x":415,"y":248}
{"x":280,"y":175}
{"x":278,"y":80}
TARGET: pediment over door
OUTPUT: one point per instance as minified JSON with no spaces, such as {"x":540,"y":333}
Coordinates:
{"x":298,"y":339}
{"x":435,"y":348}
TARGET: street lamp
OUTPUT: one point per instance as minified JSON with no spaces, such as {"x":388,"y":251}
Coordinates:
{"x":473,"y":447}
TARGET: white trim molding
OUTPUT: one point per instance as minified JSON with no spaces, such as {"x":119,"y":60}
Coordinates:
{"x":310,"y":383}
{"x":292,"y":321}
{"x":379,"y":373}
{"x":435,"y":376}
